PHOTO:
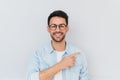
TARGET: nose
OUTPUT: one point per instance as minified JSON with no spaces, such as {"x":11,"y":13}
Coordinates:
{"x":58,"y":28}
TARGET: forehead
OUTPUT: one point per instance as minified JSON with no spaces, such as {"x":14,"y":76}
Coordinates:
{"x":57,"y":20}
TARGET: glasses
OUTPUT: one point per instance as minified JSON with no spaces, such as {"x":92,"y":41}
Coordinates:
{"x":53,"y":27}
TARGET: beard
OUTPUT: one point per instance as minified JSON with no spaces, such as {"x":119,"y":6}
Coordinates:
{"x":58,"y":40}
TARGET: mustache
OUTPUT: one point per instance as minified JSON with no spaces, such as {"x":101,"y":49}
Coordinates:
{"x":57,"y":33}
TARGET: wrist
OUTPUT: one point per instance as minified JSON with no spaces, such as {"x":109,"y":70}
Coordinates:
{"x":61,"y":66}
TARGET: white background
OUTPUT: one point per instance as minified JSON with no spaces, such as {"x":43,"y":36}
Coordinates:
{"x":94,"y":27}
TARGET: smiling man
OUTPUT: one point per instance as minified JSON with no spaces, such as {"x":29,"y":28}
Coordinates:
{"x":58,"y":60}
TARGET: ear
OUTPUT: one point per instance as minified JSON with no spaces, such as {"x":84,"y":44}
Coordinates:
{"x":48,"y":29}
{"x":67,"y":28}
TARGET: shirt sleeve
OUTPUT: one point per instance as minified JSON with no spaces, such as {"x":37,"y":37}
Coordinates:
{"x":34,"y":68}
{"x":84,"y":70}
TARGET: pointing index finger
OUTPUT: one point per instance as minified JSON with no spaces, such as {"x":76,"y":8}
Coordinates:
{"x":75,"y":54}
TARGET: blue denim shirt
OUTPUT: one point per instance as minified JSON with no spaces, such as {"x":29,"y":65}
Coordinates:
{"x":46,"y":57}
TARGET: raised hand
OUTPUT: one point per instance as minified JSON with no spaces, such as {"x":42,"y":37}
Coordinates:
{"x":68,"y":61}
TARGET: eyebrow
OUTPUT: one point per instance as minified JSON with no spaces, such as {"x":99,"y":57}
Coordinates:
{"x":58,"y":24}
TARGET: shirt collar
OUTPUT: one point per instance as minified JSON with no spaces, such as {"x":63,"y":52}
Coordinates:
{"x":51,"y":50}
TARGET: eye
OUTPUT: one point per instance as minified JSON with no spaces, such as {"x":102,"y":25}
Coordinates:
{"x":52,"y":26}
{"x":62,"y":25}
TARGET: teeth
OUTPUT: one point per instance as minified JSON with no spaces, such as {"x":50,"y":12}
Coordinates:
{"x":57,"y":35}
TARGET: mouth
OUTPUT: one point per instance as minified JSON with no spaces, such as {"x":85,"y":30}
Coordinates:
{"x":58,"y":34}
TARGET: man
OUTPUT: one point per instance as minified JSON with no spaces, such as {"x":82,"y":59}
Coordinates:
{"x":58,"y":60}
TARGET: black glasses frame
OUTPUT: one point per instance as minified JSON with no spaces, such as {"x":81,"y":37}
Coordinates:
{"x":60,"y":26}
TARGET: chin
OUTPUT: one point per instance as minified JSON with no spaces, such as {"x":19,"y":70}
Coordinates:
{"x":58,"y":39}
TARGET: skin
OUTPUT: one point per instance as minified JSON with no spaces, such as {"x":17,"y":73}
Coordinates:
{"x":58,"y":36}
{"x":58,"y":43}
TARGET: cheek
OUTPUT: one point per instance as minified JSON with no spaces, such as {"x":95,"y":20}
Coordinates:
{"x":65,"y":32}
{"x":51,"y":32}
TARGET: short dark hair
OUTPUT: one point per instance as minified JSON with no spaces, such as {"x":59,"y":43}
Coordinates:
{"x":58,"y":13}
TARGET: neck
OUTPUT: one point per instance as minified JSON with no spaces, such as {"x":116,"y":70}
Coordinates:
{"x":59,"y":46}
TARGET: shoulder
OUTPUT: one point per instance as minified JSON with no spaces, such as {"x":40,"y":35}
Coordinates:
{"x":43,"y":49}
{"x":73,"y":49}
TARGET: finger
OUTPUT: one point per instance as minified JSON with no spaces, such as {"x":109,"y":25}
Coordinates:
{"x":74,"y":60}
{"x":75,"y":54}
{"x":73,"y":63}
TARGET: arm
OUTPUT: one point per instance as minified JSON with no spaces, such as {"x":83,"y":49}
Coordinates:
{"x":50,"y":72}
{"x":34,"y":72}
{"x":64,"y":63}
